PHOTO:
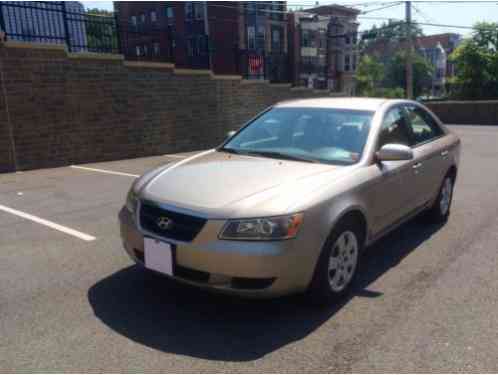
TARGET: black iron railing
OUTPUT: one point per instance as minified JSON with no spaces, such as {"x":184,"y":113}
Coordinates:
{"x":258,"y":64}
{"x":59,"y":22}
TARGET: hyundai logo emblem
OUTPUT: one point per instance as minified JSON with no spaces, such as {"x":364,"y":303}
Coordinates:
{"x":164,"y":223}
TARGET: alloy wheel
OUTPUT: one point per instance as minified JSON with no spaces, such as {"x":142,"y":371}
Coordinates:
{"x":343,"y":261}
{"x":445,"y":201}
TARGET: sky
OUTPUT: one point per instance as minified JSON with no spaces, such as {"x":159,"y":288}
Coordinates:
{"x":465,"y":14}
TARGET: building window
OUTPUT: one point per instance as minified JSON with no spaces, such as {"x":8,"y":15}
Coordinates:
{"x":189,"y":10}
{"x":261,"y":37}
{"x":199,"y":10}
{"x":251,"y":37}
{"x":276,"y":36}
{"x":307,"y":38}
{"x":133,"y":21}
{"x":348,"y":39}
{"x":145,"y":50}
{"x":347,"y":63}
{"x":138,"y":51}
{"x":142,"y":18}
{"x":322,"y":38}
{"x":170,"y":15}
{"x":153,"y":16}
{"x":276,"y":11}
{"x":275,"y":40}
{"x":156,"y":48}
{"x":354,"y":63}
{"x":251,"y":7}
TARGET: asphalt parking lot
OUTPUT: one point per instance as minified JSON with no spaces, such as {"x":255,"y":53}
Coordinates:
{"x":71,"y":300}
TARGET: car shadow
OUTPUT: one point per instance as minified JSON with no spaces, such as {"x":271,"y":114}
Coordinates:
{"x":173,"y":318}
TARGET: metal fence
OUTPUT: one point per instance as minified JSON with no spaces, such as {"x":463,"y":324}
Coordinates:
{"x":66,"y":22}
{"x":59,"y":22}
{"x":261,"y":65}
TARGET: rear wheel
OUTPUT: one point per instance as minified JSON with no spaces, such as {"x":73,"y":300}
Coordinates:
{"x":440,"y":211}
{"x":338,"y":263}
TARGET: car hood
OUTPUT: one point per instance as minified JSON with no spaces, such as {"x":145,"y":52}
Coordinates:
{"x":225,"y":185}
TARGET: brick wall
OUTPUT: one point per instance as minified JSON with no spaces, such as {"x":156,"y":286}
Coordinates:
{"x":68,"y":109}
{"x":466,"y":112}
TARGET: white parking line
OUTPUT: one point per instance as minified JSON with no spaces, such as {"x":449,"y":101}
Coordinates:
{"x":50,"y":224}
{"x":105,"y":171}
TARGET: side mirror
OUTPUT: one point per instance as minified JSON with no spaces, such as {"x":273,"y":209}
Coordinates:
{"x":392,"y":152}
{"x":231,"y":133}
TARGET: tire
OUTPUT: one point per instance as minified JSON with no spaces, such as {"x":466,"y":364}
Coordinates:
{"x":339,"y":259}
{"x":440,"y":211}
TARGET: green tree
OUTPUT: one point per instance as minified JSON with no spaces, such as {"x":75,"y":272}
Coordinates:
{"x":369,"y":75}
{"x":392,"y":31}
{"x":476,"y":63}
{"x":101,"y":31}
{"x":396,"y":73}
{"x":377,"y":79}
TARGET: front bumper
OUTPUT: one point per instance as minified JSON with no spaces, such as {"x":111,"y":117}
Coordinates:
{"x":245,"y":268}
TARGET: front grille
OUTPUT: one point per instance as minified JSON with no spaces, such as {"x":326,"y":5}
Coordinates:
{"x":183,"y":227}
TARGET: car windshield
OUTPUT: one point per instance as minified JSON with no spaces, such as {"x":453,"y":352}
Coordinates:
{"x":324,"y":135}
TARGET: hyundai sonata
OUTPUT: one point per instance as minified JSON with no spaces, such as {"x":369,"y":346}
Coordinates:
{"x":288,"y":202}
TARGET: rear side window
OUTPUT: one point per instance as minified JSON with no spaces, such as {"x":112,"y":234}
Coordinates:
{"x":394,"y":129}
{"x":423,"y":127}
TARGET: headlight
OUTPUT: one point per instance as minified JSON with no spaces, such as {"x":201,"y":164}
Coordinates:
{"x":270,"y":228}
{"x":131,"y":201}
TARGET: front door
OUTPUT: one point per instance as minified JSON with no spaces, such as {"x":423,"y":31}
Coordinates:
{"x":391,"y":195}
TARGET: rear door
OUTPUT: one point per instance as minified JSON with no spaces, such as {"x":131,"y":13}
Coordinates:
{"x":429,"y":149}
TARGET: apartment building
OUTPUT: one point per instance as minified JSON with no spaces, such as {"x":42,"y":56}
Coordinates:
{"x":323,"y":47}
{"x":244,"y":38}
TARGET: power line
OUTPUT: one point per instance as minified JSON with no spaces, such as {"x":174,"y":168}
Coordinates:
{"x":382,"y":8}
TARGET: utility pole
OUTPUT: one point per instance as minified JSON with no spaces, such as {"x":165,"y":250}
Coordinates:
{"x":409,"y":51}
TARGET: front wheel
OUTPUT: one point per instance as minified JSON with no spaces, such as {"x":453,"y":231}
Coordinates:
{"x":440,"y":211}
{"x":337,"y":265}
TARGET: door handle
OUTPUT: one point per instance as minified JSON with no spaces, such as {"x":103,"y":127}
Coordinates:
{"x":444,"y":153}
{"x":416,"y":166}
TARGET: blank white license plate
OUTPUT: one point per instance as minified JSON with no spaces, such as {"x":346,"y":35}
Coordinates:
{"x":158,"y":256}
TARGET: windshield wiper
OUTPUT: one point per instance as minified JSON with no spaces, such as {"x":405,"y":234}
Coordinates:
{"x":230,"y":150}
{"x":280,"y":155}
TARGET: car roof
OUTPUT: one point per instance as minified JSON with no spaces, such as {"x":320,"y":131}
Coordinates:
{"x":363,"y":104}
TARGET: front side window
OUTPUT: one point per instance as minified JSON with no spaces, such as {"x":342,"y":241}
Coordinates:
{"x":394,"y":129}
{"x":423,"y":127}
{"x":323,"y":135}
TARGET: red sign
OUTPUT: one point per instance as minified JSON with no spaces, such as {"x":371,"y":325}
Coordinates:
{"x":255,"y":63}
